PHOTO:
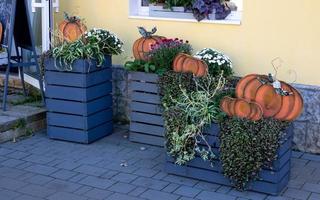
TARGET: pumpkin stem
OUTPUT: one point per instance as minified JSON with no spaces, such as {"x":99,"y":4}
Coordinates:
{"x":145,"y":33}
{"x":275,"y":84}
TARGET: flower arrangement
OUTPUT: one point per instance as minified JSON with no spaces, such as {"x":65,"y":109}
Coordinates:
{"x":93,"y":45}
{"x":217,"y":61}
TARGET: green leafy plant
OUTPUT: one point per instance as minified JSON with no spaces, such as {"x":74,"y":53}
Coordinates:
{"x":173,"y":3}
{"x":94,"y":45}
{"x":142,"y":66}
{"x":163,"y":53}
{"x":188,"y":108}
{"x":247,"y":147}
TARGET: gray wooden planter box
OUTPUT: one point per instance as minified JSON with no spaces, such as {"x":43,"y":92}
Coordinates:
{"x":174,"y":13}
{"x":79,"y":103}
{"x":273,"y":181}
{"x":146,"y":125}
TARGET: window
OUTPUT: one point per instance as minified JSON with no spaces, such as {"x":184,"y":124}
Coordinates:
{"x":142,"y":10}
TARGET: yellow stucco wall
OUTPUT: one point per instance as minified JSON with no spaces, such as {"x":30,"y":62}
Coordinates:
{"x":289,"y":29}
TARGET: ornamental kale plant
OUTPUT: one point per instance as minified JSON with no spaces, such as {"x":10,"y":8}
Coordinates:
{"x":163,"y":53}
{"x":203,"y":8}
{"x":216,"y":61}
{"x":93,"y":45}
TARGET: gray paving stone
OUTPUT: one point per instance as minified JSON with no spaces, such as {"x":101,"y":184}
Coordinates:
{"x":98,"y":194}
{"x":124,"y":188}
{"x":180,"y":180}
{"x":206,"y":195}
{"x":38,"y":179}
{"x":146,"y":172}
{"x":311,"y":187}
{"x":187,"y":191}
{"x":5,"y":151}
{"x":64,"y":174}
{"x":77,"y":178}
{"x":124,"y":177}
{"x":171,"y":187}
{"x":65,"y":196}
{"x":97,"y":182}
{"x":137,"y":191}
{"x":207,"y":186}
{"x":8,"y":195}
{"x":297,"y":194}
{"x":37,"y":190}
{"x":12,"y":162}
{"x":158,"y":195}
{"x":11,"y":172}
{"x":91,"y":170}
{"x":314,"y":196}
{"x":17,"y":155}
{"x":41,"y":169}
{"x":160,"y":175}
{"x":150,"y":183}
{"x":109,"y":174}
{"x":83,"y":189}
{"x":61,"y":185}
{"x":68,"y":165}
{"x":10,"y":184}
{"x":27,"y":197}
{"x":247,"y":195}
{"x":38,"y":159}
{"x":117,"y":196}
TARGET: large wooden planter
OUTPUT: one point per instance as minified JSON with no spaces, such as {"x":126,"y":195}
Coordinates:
{"x":273,"y":181}
{"x":146,"y":125}
{"x":79,"y":102}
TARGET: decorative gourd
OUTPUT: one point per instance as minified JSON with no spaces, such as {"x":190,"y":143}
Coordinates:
{"x":241,"y":108}
{"x":71,"y":28}
{"x":284,"y":103}
{"x":1,"y":30}
{"x":142,"y":46}
{"x":186,"y":63}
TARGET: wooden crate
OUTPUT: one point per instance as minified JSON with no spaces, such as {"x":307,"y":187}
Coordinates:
{"x":79,"y":102}
{"x":273,"y":181}
{"x":146,"y":125}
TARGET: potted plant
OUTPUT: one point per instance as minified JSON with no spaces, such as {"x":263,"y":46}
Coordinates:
{"x":78,"y":81}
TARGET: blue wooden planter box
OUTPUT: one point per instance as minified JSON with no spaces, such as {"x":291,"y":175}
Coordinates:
{"x":79,"y":103}
{"x":272,"y":181}
{"x":146,"y":124}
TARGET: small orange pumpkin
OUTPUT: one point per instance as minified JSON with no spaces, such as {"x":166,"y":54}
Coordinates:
{"x":142,"y":46}
{"x":285,"y":108}
{"x":71,"y":28}
{"x":241,"y":108}
{"x":186,"y":63}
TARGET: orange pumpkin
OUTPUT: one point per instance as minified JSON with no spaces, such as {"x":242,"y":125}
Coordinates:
{"x":1,"y":30}
{"x":241,"y":108}
{"x":142,"y":46}
{"x":71,"y":28}
{"x":256,"y":88}
{"x":186,"y":63}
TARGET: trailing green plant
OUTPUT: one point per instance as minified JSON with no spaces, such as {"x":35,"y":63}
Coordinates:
{"x":173,"y":3}
{"x":94,"y":45}
{"x":248,"y":146}
{"x":189,"y":108}
{"x":163,"y":52}
{"x":142,"y":66}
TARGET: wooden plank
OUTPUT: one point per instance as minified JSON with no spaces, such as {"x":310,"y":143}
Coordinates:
{"x":78,"y":79}
{"x":77,"y":121}
{"x":78,"y":94}
{"x":144,"y":87}
{"x":146,"y":108}
{"x":145,"y":97}
{"x":79,"y":108}
{"x":147,"y":129}
{"x":147,"y":118}
{"x":145,"y":77}
{"x":80,"y":136}
{"x":146,"y":139}
{"x":79,"y":66}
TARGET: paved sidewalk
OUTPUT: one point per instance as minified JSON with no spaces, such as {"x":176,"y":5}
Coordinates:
{"x":115,"y":169}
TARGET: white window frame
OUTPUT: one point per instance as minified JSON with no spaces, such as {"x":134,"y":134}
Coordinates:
{"x":137,"y":11}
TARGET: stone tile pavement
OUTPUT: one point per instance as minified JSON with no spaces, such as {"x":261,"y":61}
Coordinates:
{"x":115,"y":169}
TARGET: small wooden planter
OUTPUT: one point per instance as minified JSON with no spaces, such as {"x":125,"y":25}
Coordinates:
{"x":79,"y":102}
{"x":147,"y":125}
{"x":272,"y":181}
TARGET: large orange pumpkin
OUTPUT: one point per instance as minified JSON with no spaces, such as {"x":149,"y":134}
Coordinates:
{"x":257,"y":88}
{"x":71,"y":28}
{"x":142,"y":46}
{"x":1,"y":30}
{"x":241,"y":108}
{"x":186,"y":63}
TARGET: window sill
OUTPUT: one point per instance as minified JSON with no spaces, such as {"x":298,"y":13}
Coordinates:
{"x":226,"y":21}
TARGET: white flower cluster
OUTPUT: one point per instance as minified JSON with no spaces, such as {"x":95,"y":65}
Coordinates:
{"x":214,"y":57}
